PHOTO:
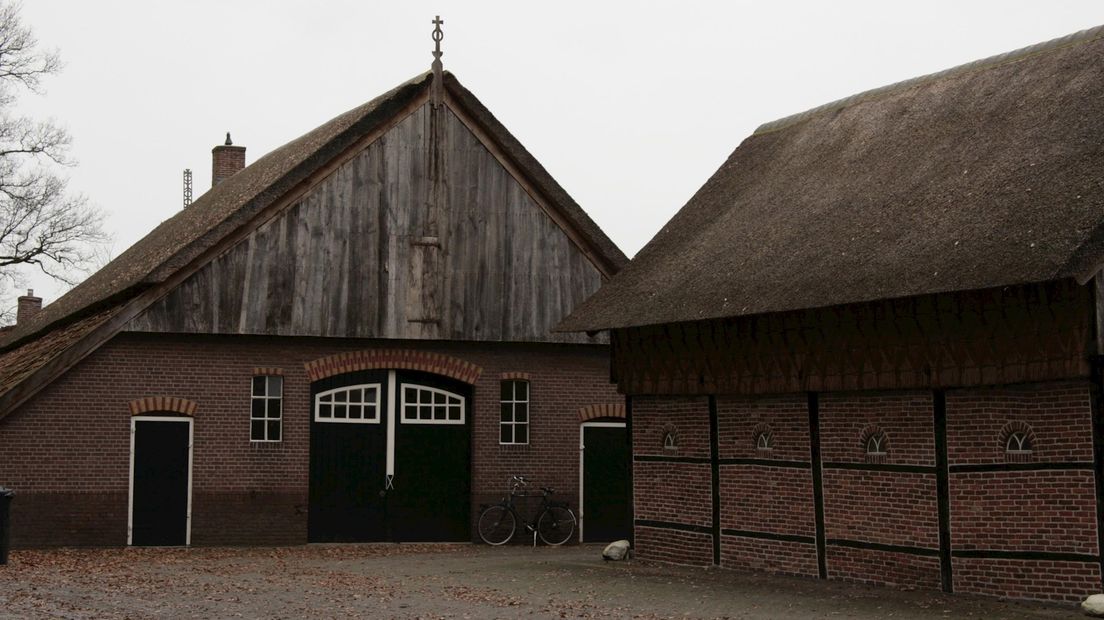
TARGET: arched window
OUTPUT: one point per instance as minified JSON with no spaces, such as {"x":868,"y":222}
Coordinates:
{"x":357,"y":404}
{"x":875,"y":444}
{"x":1018,"y":441}
{"x":670,"y":441}
{"x":764,"y":437}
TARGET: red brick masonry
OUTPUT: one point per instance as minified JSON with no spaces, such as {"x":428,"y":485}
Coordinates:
{"x":1020,"y":525}
{"x":67,"y":451}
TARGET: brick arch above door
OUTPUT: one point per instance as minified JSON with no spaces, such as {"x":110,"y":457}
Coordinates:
{"x":162,"y":404}
{"x":606,"y":410}
{"x":394,"y":359}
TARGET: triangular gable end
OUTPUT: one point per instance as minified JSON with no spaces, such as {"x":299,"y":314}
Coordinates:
{"x":590,"y":250}
{"x":432,"y":215}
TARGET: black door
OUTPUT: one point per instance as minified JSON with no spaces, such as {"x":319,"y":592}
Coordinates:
{"x":425,"y":495}
{"x":348,"y":458}
{"x":159,"y":508}
{"x":606,"y":510}
{"x":432,"y":485}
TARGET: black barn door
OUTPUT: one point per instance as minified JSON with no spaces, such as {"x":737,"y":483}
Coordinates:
{"x":347,"y":459}
{"x":606,"y":510}
{"x":382,"y":471}
{"x":159,"y":491}
{"x":432,"y":485}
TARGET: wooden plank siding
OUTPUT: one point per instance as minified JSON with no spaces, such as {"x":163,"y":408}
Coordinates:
{"x":378,"y":250}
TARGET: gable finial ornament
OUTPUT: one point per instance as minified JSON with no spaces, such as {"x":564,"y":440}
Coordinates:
{"x":437,"y":67}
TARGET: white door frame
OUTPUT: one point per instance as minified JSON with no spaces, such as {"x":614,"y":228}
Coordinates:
{"x":130,"y":494}
{"x":582,"y":462}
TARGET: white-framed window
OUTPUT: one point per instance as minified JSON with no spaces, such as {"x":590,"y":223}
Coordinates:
{"x":514,"y":423}
{"x":266,"y":408}
{"x":426,"y":405}
{"x":670,"y":441}
{"x":352,"y":404}
{"x":764,"y":440}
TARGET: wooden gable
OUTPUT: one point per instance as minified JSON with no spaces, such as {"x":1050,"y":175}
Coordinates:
{"x":424,"y":234}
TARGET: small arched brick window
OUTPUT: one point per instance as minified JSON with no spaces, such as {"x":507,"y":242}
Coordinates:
{"x":763,"y":437}
{"x":875,"y":444}
{"x":1017,"y":439}
{"x":670,"y":439}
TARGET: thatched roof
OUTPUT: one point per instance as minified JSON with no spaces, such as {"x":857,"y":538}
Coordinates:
{"x":179,"y":240}
{"x":986,"y":175}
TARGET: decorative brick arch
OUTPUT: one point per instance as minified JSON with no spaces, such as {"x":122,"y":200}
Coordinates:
{"x":762,"y":437}
{"x":875,"y":433}
{"x":393,"y":359}
{"x":591,"y":412}
{"x":162,"y":403}
{"x":1026,"y":436}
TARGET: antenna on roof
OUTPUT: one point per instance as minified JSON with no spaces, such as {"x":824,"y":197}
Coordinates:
{"x":187,"y":187}
{"x":437,"y":53}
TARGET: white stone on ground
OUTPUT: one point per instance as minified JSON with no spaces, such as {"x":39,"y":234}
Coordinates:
{"x":1093,"y":606}
{"x":618,"y":550}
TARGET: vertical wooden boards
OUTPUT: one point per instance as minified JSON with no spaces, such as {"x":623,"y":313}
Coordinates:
{"x":413,"y":237}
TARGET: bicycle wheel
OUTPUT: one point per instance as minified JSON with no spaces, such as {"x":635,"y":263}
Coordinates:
{"x":556,"y":525}
{"x":497,"y":525}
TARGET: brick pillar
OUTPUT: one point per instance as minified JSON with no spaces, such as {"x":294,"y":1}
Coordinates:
{"x":29,"y":305}
{"x":226,"y":160}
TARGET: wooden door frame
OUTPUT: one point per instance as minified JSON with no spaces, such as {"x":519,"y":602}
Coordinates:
{"x":582,"y":464}
{"x":134,"y":420}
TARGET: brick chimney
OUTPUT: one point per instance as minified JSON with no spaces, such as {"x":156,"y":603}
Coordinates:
{"x":226,"y":160}
{"x":29,"y":305}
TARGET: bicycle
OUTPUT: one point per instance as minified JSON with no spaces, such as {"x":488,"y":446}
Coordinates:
{"x":555,"y":522}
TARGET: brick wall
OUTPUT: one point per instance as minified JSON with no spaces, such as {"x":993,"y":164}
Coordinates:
{"x":1021,"y":526}
{"x":766,"y":491}
{"x":675,"y":491}
{"x":67,"y":451}
{"x":1041,"y":510}
{"x":883,"y":505}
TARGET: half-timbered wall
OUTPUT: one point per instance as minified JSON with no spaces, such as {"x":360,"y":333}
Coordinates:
{"x":422,"y":235}
{"x":982,"y":476}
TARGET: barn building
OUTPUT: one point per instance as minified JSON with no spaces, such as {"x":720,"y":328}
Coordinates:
{"x":868,"y":348}
{"x":348,"y":340}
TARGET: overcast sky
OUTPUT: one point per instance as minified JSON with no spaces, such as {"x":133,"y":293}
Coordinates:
{"x":631,"y":106}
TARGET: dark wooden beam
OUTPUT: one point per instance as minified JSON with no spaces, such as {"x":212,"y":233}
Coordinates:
{"x":715,"y":470}
{"x":942,"y":488}
{"x":818,"y":483}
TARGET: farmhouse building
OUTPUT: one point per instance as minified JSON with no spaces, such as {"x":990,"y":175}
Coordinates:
{"x":868,"y":348}
{"x":348,"y":340}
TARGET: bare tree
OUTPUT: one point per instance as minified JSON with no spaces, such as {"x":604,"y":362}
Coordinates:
{"x":41,"y":225}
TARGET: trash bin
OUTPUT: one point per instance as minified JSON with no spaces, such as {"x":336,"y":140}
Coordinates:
{"x":6,"y":496}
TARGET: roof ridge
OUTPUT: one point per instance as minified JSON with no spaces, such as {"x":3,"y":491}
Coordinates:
{"x":1082,"y":36}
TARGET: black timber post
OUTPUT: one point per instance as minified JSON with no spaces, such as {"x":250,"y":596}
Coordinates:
{"x":1096,"y":393}
{"x":632,"y":499}
{"x":715,"y":467}
{"x":818,"y":483}
{"x":942,"y":488}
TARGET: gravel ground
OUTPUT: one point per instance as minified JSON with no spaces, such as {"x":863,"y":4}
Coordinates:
{"x":439,"y":581}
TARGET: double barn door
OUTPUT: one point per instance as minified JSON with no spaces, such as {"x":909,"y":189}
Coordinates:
{"x":390,"y":458}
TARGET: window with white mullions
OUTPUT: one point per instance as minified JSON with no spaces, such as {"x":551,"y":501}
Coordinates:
{"x":266,"y":411}
{"x":514,"y":424}
{"x":1018,"y":443}
{"x":426,"y":405}
{"x":875,"y":445}
{"x":354,"y":404}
